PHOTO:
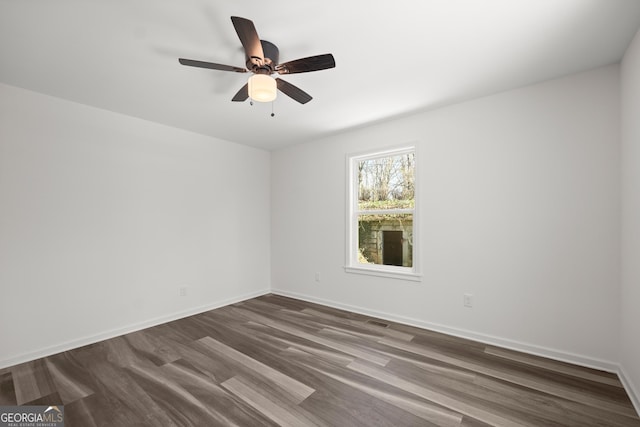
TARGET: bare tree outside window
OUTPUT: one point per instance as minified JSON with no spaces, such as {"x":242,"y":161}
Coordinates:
{"x":386,"y":182}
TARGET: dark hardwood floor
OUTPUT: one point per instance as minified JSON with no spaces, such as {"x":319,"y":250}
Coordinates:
{"x":279,"y":361}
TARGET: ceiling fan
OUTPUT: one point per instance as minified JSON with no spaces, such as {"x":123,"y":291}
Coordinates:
{"x":262,"y":61}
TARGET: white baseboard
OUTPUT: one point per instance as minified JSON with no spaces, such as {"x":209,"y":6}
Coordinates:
{"x":69,"y":345}
{"x":632,"y":391}
{"x":536,"y":350}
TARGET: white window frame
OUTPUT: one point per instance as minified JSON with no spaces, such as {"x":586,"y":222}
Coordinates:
{"x":352,"y":264}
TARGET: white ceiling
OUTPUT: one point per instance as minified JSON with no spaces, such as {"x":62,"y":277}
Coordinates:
{"x":393,"y":58}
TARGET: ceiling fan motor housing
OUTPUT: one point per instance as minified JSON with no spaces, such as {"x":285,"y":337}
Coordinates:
{"x":271,"y":58}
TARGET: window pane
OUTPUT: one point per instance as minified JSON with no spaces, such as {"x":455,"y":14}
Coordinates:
{"x":386,"y":182}
{"x":385,"y":239}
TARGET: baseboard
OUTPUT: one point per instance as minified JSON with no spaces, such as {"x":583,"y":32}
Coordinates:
{"x":550,"y":353}
{"x":632,"y":391}
{"x":69,"y":345}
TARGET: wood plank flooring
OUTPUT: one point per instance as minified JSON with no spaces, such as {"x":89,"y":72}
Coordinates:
{"x":279,"y":361}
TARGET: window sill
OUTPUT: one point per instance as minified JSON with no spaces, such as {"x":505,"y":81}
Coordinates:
{"x":413,"y":277}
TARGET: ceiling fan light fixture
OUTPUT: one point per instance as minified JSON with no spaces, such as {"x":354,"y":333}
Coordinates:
{"x":262,"y":88}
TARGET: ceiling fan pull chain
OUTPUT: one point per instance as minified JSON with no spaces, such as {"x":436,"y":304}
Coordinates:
{"x":272,"y":113}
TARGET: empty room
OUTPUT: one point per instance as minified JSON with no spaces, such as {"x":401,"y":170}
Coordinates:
{"x":222,"y":213}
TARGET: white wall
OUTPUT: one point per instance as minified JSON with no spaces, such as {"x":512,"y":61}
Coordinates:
{"x":520,"y":207}
{"x":103,"y":217}
{"x":630,"y":301}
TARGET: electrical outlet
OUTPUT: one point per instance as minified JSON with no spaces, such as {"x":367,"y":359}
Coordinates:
{"x":468,"y":300}
{"x":317,"y":277}
{"x":183,"y":291}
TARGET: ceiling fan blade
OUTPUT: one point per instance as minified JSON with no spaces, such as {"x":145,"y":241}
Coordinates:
{"x":211,"y":65}
{"x":305,"y":65}
{"x":293,"y":91}
{"x":249,"y":39}
{"x":242,"y":94}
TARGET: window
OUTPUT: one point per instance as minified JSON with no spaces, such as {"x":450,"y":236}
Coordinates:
{"x":382,"y":212}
